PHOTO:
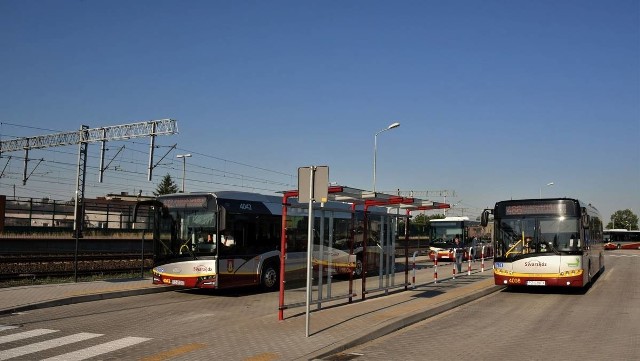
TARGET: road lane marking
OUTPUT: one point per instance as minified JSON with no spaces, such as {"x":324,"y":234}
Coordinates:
{"x":3,"y":327}
{"x":25,"y":334}
{"x":98,"y":349}
{"x":263,"y":357}
{"x":45,"y":345}
{"x":174,"y":352}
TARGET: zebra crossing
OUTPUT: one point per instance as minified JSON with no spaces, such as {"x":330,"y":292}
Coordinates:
{"x":41,"y":340}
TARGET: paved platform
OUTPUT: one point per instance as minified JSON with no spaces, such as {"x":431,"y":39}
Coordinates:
{"x":332,"y":329}
{"x":24,"y":298}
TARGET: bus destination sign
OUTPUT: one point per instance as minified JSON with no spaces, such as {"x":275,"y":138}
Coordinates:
{"x":185,"y":202}
{"x":543,"y":208}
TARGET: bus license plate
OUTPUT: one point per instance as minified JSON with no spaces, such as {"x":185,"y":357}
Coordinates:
{"x":177,"y":282}
{"x":536,"y":283}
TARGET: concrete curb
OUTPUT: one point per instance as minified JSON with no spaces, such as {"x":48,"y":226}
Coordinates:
{"x":85,"y":298}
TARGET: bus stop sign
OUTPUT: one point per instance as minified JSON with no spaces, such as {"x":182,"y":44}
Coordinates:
{"x":320,"y":181}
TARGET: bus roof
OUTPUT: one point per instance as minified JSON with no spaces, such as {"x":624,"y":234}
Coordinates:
{"x":272,"y":203}
{"x":237,"y":195}
{"x":450,"y":219}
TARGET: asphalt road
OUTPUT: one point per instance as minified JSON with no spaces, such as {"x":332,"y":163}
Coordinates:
{"x":600,"y":323}
{"x":603,"y":322}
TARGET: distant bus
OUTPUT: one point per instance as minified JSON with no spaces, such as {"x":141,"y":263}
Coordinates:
{"x":442,"y":232}
{"x":546,"y":242}
{"x":621,"y":239}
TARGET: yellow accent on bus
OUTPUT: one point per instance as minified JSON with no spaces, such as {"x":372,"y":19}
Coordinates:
{"x":571,"y":273}
{"x":334,"y":264}
{"x":514,"y":246}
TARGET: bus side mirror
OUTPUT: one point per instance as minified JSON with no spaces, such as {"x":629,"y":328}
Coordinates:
{"x":222,"y":218}
{"x":484,"y":219}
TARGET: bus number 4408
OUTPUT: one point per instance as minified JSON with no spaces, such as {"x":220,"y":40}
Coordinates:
{"x":516,"y":281}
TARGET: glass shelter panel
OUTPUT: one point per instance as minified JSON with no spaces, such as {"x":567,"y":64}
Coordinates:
{"x":340,"y":255}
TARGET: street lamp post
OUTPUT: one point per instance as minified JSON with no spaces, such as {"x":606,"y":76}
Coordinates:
{"x":184,"y":166}
{"x":548,"y":185}
{"x":375,"y":150}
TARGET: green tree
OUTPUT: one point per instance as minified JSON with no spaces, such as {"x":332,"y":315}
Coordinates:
{"x":419,"y":225}
{"x":166,"y":186}
{"x":623,"y":219}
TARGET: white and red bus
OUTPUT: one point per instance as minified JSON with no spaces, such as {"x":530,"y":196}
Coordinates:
{"x":443,"y":230}
{"x":232,"y":239}
{"x":546,"y":242}
{"x":621,"y":239}
{"x":217,"y":240}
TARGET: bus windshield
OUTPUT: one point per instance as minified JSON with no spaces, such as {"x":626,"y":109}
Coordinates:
{"x":444,"y":232}
{"x":196,"y":230}
{"x":519,"y":236}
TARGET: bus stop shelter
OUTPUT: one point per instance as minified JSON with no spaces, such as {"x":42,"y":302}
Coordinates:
{"x":373,"y":220}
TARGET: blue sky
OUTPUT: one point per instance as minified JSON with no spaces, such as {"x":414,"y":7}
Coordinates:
{"x":495,"y":98}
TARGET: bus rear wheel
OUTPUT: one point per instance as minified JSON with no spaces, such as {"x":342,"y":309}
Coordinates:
{"x":269,"y":277}
{"x":357,"y":272}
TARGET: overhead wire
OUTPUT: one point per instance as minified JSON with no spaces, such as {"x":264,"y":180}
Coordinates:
{"x":204,"y":175}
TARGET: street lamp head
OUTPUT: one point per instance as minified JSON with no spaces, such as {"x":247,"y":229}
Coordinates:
{"x":184,"y":166}
{"x":550,"y":183}
{"x":375,"y":149}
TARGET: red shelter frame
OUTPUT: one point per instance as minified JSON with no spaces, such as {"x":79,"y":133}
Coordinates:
{"x":365,"y":199}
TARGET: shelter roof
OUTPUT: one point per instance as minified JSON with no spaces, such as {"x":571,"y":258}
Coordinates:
{"x":369,"y":198}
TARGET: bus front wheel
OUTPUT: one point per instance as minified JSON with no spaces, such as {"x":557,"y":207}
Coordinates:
{"x":269,"y":278}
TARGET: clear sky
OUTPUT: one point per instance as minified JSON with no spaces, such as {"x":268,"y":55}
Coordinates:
{"x":496,"y":99}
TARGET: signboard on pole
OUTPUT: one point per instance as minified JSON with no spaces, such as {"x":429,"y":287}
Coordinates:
{"x":320,"y":182}
{"x":313,"y":185}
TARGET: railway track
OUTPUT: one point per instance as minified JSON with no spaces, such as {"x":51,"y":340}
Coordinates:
{"x":34,"y":266}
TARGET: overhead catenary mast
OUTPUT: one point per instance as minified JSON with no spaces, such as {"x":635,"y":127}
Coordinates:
{"x":82,"y":138}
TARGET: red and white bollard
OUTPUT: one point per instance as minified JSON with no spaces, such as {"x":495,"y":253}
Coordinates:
{"x":469,"y":266}
{"x":482,"y":260}
{"x":435,"y":268}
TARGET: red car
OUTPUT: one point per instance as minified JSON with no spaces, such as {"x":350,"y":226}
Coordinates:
{"x":611,"y":246}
